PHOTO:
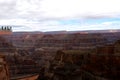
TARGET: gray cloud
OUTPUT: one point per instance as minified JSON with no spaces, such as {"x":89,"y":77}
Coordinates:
{"x":48,"y":10}
{"x":45,"y":14}
{"x":7,"y":9}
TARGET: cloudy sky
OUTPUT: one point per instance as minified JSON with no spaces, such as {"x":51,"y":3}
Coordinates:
{"x":55,"y":15}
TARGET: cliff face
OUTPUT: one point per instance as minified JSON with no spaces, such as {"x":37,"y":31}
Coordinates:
{"x":4,"y":73}
{"x":38,"y":50}
{"x":23,"y":40}
{"x":102,"y":63}
{"x":76,"y":40}
{"x":6,"y":46}
{"x":62,"y":40}
{"x":19,"y":61}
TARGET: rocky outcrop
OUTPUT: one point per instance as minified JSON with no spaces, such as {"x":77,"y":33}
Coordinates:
{"x":22,"y":64}
{"x":100,"y":63}
{"x":4,"y":73}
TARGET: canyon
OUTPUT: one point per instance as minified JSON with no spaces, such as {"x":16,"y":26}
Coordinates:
{"x":30,"y":52}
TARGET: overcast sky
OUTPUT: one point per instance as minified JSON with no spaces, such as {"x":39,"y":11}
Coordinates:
{"x":55,"y":15}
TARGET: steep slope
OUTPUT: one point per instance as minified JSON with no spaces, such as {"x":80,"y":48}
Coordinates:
{"x":6,"y":46}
